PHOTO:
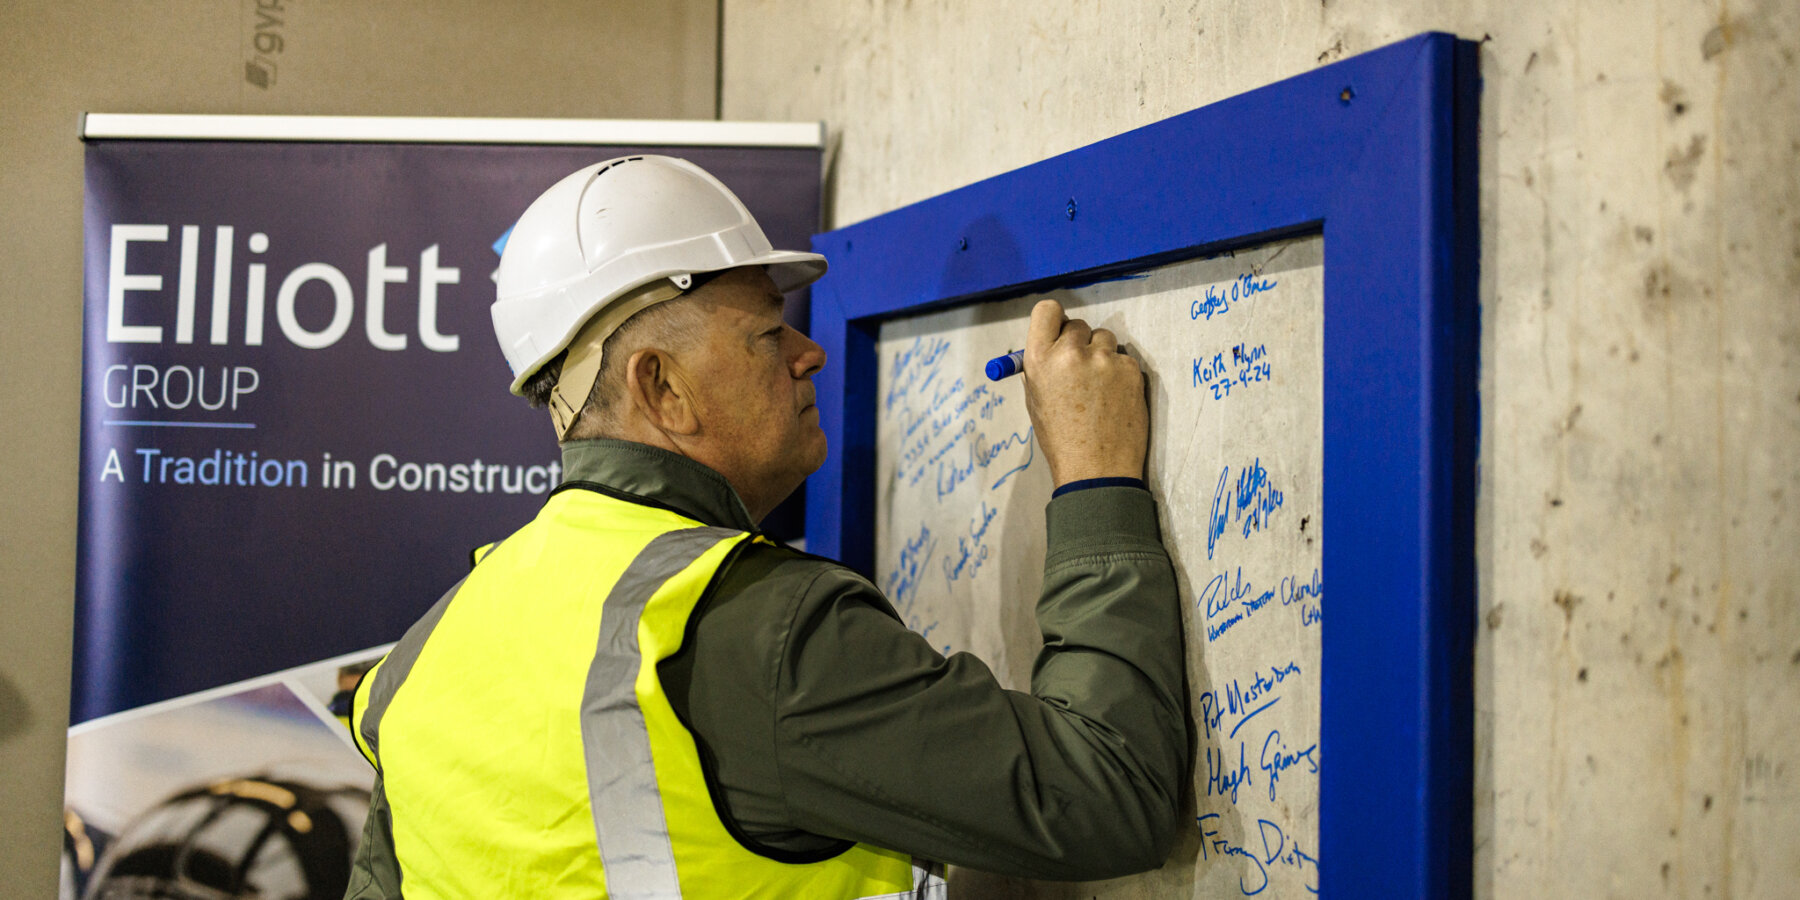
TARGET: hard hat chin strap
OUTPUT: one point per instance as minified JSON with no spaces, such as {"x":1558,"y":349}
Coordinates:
{"x":581,"y":367}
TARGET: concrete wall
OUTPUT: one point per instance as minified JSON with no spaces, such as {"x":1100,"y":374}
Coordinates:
{"x":1639,"y":540}
{"x":613,"y":59}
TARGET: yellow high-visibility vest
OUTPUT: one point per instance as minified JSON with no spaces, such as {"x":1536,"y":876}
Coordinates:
{"x":526,"y":746}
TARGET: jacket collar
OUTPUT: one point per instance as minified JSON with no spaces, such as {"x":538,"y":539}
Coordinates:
{"x":692,"y":489}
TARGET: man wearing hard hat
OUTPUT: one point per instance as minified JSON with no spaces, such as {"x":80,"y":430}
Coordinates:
{"x":638,"y":694}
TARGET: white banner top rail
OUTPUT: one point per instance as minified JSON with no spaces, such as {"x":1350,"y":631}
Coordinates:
{"x":426,"y":129}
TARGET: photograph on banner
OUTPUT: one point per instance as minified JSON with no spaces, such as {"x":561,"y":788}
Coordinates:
{"x":251,"y":790}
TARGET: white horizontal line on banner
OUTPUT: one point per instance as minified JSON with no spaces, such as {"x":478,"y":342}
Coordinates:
{"x":224,"y":690}
{"x":147,"y":423}
{"x":630,"y":132}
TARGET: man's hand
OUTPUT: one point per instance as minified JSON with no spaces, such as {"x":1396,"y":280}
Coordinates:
{"x":1086,"y":399}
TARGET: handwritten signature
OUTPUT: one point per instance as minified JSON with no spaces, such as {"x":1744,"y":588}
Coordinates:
{"x":1278,"y":850}
{"x":1309,"y":594}
{"x":1276,"y":759}
{"x":1241,"y":701}
{"x":1232,"y":598}
{"x":1217,"y":300}
{"x":971,"y":549}
{"x":1221,"y":780}
{"x":1252,"y":367}
{"x":916,"y":362}
{"x":903,"y":582}
{"x":1251,"y":504}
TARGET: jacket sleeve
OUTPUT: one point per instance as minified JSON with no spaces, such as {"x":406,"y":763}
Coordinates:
{"x":874,"y":736}
{"x":375,"y":871}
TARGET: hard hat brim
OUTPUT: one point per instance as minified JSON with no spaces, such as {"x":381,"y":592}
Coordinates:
{"x":791,"y":270}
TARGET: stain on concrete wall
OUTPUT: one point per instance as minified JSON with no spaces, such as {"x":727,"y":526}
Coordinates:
{"x":1638,"y":663}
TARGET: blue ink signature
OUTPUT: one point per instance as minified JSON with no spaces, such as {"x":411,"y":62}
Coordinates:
{"x":986,"y":517}
{"x":1222,"y":781}
{"x":1277,"y":850}
{"x":1250,"y":489}
{"x":903,"y":582}
{"x":1280,"y":760}
{"x":1238,"y":699}
{"x":1031,"y":448}
{"x":920,"y":359}
{"x":1221,"y":512}
{"x":1225,"y":594}
{"x":1309,"y":594}
{"x":1218,"y":302}
{"x":971,"y":550}
{"x":1213,"y":303}
{"x":1252,"y":368}
{"x":1293,"y":590}
{"x":1253,"y":502}
{"x":921,"y":353}
{"x":1247,"y":286}
{"x":969,"y":557}
{"x":951,"y":476}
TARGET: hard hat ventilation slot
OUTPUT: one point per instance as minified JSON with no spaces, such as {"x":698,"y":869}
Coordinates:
{"x":615,"y":164}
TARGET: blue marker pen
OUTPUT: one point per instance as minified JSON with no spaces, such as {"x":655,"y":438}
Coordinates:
{"x":1004,"y":366}
{"x":1012,"y":364}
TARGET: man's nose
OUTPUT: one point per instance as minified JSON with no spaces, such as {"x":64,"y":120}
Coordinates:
{"x":810,"y":357}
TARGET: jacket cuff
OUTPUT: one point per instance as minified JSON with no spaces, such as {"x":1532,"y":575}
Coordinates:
{"x":1086,"y":483}
{"x":1101,"y":515}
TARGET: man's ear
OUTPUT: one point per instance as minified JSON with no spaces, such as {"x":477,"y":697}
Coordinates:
{"x":659,"y":391}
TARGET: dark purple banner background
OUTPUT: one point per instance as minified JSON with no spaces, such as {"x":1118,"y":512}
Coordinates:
{"x":185,"y":585}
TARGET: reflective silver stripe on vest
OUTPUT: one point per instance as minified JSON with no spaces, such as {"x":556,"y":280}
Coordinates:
{"x":632,"y":834}
{"x":397,"y":666}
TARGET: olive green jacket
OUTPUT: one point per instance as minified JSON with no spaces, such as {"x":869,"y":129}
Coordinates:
{"x":822,"y":720}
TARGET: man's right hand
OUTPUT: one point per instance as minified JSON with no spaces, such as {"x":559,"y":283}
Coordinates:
{"x":1086,"y":399}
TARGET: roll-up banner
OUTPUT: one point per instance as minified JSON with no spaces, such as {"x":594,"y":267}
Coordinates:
{"x":295,"y":429}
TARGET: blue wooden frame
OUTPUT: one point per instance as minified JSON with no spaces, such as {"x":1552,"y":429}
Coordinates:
{"x":1378,"y":153}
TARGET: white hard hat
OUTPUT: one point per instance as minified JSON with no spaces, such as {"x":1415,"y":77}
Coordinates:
{"x":614,"y":227}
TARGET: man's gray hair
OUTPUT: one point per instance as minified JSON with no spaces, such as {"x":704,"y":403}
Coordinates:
{"x":672,"y":325}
